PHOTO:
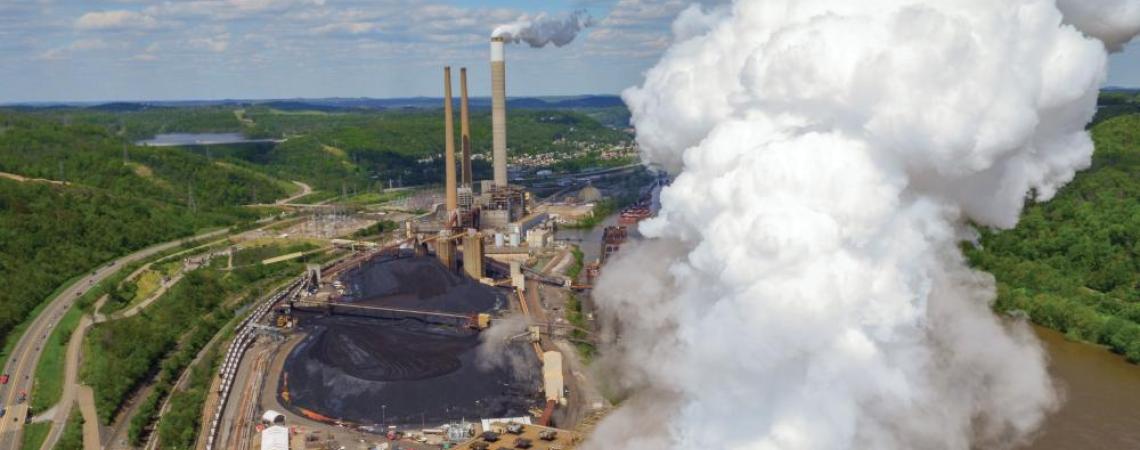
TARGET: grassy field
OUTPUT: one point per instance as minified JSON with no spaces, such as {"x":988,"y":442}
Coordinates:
{"x":576,"y":268}
{"x":48,"y":386}
{"x":316,"y":197}
{"x":34,"y":435}
{"x":148,"y":282}
{"x":371,"y":198}
{"x":257,"y":254}
{"x":575,"y":317}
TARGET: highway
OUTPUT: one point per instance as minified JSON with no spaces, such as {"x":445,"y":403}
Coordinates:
{"x":21,"y":364}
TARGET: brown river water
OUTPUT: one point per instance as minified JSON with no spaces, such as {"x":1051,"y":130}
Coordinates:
{"x":1102,"y":398}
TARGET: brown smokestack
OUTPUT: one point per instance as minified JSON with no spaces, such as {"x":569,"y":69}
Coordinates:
{"x":464,"y":129}
{"x":449,"y":147}
{"x":499,"y":111}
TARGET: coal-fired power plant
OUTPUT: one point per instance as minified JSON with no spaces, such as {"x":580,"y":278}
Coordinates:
{"x":499,"y":111}
{"x":498,"y":205}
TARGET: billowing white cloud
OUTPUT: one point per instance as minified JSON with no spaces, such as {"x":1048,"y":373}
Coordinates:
{"x":1111,"y":21}
{"x":802,"y":285}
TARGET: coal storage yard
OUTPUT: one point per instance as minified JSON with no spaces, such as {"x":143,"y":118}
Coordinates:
{"x":420,"y":283}
{"x":365,"y":370}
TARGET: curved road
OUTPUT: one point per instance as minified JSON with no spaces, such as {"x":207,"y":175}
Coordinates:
{"x":305,"y":190}
{"x":21,"y":366}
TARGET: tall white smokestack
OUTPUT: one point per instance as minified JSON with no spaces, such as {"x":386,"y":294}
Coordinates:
{"x":499,"y":111}
{"x":537,"y":32}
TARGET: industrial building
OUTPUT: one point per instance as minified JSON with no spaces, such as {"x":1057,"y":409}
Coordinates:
{"x":496,"y":210}
{"x":275,"y":437}
{"x":552,"y":376}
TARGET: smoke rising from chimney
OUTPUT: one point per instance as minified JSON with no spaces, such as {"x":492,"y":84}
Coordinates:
{"x":801,"y":286}
{"x":543,"y":29}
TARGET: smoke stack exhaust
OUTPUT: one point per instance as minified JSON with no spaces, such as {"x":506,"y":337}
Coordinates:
{"x":464,"y":129}
{"x":449,"y":146}
{"x":499,"y":111}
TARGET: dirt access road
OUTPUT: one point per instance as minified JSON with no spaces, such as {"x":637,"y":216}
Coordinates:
{"x":305,"y":190}
{"x":73,"y":391}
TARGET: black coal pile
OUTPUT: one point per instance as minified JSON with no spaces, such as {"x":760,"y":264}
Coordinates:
{"x":419,"y":283}
{"x":407,"y":372}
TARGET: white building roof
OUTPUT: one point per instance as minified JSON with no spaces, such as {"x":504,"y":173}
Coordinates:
{"x":275,"y":438}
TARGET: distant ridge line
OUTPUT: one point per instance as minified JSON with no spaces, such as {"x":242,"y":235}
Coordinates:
{"x":339,"y":103}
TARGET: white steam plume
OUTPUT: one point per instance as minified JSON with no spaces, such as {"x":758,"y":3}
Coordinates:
{"x":802,"y":287}
{"x":542,"y":29}
{"x":495,"y":346}
{"x":1113,"y":21}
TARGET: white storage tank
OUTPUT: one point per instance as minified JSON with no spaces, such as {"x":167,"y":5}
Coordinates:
{"x":498,"y":239}
{"x":514,"y":239}
{"x":272,"y":417}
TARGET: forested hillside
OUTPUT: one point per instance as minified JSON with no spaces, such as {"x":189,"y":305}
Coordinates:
{"x":327,"y":149}
{"x":109,"y":205}
{"x":135,"y":121}
{"x":45,"y":147}
{"x":1117,"y":103}
{"x":1072,"y":262}
{"x":51,"y":233}
{"x":364,"y":148}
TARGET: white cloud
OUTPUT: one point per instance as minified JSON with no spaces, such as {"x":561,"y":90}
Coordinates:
{"x":216,"y":44}
{"x":89,"y":44}
{"x":144,"y":57}
{"x":54,"y":54}
{"x":644,"y":12}
{"x":312,"y":33}
{"x":228,"y":9}
{"x":115,"y":20}
{"x":150,"y":53}
{"x":59,"y":53}
{"x":347,"y":28}
{"x":637,"y":29}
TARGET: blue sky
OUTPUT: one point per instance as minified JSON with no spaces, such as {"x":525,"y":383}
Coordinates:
{"x":97,"y":50}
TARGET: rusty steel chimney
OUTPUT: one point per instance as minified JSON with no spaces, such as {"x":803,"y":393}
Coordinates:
{"x":499,"y":111}
{"x":449,"y":147}
{"x":464,"y":130}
